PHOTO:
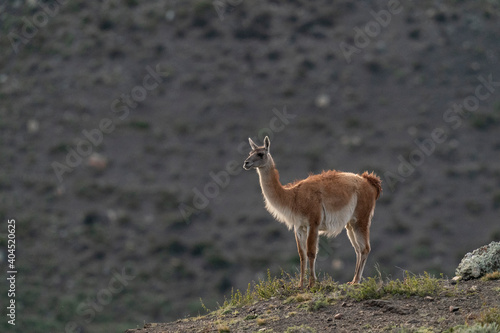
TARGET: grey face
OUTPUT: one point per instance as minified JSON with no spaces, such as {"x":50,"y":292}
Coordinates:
{"x":258,"y":156}
{"x":257,"y":159}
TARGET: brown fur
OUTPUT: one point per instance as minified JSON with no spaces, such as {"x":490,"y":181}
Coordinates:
{"x":322,"y":203}
{"x":374,"y":180}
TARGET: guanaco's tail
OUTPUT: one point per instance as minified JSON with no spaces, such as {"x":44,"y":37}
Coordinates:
{"x":374,"y":180}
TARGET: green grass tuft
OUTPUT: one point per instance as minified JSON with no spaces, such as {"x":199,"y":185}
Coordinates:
{"x":300,"y":329}
{"x":488,"y":328}
{"x":282,"y":287}
{"x":328,"y":291}
{"x":318,"y":303}
{"x":411,"y":285}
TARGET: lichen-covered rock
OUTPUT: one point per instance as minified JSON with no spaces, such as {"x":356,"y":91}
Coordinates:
{"x":479,"y":262}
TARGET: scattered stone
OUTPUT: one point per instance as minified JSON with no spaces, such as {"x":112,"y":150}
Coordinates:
{"x":456,"y":279}
{"x":60,"y":190}
{"x":413,"y":131}
{"x":338,"y":316}
{"x":322,"y":101}
{"x":381,"y":46}
{"x":95,"y":218}
{"x":475,"y":66}
{"x":97,"y":161}
{"x":429,"y":298}
{"x":170,"y":15}
{"x":337,"y":264}
{"x":474,"y":288}
{"x":329,"y":319}
{"x":454,"y":308}
{"x":479,"y":262}
{"x":351,"y":141}
{"x":33,"y":126}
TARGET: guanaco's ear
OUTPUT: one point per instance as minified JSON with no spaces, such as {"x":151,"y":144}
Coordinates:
{"x":252,"y":144}
{"x":267,"y":143}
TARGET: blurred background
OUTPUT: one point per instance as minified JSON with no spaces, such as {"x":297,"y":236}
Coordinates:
{"x":124,"y":126}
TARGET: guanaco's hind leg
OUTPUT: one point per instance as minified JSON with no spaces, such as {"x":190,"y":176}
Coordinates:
{"x":352,"y":238}
{"x":312,"y":251}
{"x":300,"y":238}
{"x":359,"y":235}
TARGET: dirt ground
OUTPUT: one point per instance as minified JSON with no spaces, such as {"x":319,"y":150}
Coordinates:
{"x":436,"y":313}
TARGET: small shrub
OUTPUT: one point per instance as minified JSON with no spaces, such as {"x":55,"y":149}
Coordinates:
{"x":223,"y":329}
{"x":272,"y":287}
{"x":411,"y":285}
{"x":140,"y":124}
{"x":224,"y":284}
{"x":93,"y":191}
{"x":490,"y":316}
{"x":371,"y":288}
{"x":257,"y":29}
{"x":60,"y":148}
{"x":202,"y":13}
{"x":217,"y":261}
{"x":495,"y":234}
{"x":300,"y":329}
{"x":130,"y":198}
{"x":261,"y":321}
{"x":202,"y":7}
{"x":488,"y":328}
{"x":317,"y":304}
{"x":175,"y":247}
{"x":165,"y":199}
{"x":251,"y":317}
{"x":352,"y":122}
{"x":474,"y":207}
{"x":398,"y":227}
{"x":298,"y":298}
{"x":496,"y":200}
{"x":491,"y":276}
{"x":483,"y":121}
{"x":106,"y":24}
{"x":132,"y":3}
{"x":201,"y":248}
{"x":421,"y":252}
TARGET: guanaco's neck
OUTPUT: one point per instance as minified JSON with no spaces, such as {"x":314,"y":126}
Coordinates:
{"x":273,"y":191}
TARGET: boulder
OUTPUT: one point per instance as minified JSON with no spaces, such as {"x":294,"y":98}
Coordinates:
{"x":479,"y":262}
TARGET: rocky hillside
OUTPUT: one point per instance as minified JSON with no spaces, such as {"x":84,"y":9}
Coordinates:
{"x":416,"y":304}
{"x":124,"y":125}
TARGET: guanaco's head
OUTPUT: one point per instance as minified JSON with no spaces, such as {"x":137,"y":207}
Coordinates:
{"x":259,"y":156}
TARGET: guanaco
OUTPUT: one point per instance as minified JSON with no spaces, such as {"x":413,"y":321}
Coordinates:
{"x":320,"y":204}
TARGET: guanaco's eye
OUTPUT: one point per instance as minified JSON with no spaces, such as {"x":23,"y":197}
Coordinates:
{"x":260,"y":154}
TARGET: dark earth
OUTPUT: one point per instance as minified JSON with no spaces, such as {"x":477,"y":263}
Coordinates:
{"x":124,"y":126}
{"x":395,"y":314}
